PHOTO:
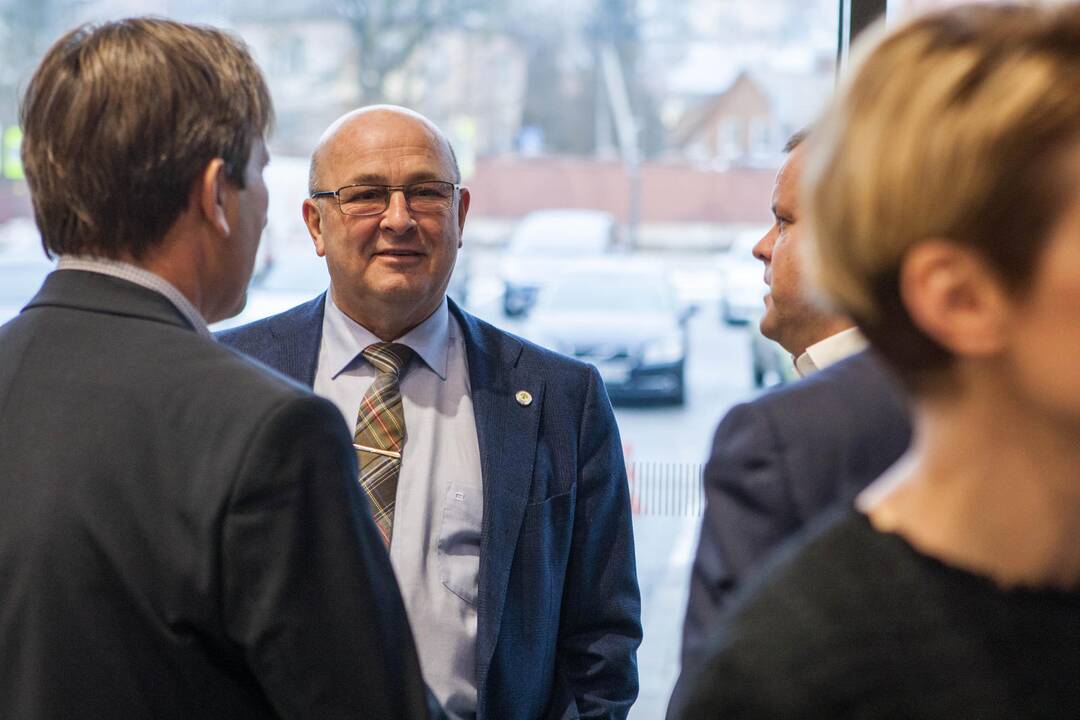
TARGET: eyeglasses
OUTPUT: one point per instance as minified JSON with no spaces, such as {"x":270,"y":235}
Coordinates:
{"x":429,"y":196}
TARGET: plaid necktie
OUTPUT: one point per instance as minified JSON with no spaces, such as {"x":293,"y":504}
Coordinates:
{"x":380,"y":432}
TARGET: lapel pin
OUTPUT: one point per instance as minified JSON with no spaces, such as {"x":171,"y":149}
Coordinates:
{"x":524,"y":398}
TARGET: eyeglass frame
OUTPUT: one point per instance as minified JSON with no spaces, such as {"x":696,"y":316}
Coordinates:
{"x":390,"y":190}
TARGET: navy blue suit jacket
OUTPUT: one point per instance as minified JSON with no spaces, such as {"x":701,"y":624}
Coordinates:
{"x":558,"y":602}
{"x":776,"y":463}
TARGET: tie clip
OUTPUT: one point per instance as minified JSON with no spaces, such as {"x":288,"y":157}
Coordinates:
{"x":377,"y":451}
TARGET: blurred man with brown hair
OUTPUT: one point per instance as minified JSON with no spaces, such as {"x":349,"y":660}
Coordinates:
{"x":181,"y":534}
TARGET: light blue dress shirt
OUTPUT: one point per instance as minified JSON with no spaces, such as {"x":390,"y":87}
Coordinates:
{"x":435,"y":549}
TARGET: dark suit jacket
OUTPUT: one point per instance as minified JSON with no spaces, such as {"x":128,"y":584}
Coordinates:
{"x":181,"y":533}
{"x":777,"y":462}
{"x":558,"y":603}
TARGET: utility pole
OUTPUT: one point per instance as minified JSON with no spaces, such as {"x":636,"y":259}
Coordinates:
{"x":626,"y":131}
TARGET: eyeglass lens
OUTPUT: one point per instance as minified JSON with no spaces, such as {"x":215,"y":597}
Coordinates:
{"x":433,"y":196}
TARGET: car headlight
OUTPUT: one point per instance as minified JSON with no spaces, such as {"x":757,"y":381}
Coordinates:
{"x":668,"y":349}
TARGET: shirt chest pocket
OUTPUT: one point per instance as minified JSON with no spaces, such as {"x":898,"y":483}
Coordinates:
{"x":459,"y":540}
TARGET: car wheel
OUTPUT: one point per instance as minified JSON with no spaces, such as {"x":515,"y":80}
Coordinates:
{"x":678,"y":396}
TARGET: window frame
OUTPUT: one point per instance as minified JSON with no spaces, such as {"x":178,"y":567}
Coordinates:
{"x":855,"y":17}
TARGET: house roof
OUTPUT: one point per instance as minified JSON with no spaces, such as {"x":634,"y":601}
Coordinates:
{"x":795,"y":99}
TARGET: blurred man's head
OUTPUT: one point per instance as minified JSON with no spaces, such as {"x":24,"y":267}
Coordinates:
{"x":387,"y":213}
{"x":790,"y":318}
{"x":130,"y":126}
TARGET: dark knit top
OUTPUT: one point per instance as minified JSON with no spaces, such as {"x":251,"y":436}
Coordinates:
{"x":855,"y":623}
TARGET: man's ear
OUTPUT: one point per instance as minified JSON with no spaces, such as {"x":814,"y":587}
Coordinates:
{"x":313,"y":221}
{"x":954,"y":297}
{"x":209,"y":192}
{"x":464,"y":198}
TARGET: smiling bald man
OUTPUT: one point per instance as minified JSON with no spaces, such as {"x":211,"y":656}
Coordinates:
{"x":494,"y":466}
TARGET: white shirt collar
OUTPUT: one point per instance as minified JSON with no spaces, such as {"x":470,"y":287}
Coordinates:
{"x":344,"y":338}
{"x":831,"y":350}
{"x":139,"y":276}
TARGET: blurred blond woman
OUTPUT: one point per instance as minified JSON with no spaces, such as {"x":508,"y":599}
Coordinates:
{"x":943,"y":188}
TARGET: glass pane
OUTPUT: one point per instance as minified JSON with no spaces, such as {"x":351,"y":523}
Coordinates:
{"x":620,"y":156}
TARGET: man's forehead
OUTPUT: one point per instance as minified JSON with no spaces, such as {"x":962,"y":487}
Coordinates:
{"x":387,"y":143}
{"x":786,"y":186}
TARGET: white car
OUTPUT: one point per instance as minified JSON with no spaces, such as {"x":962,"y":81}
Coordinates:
{"x":543,"y":244}
{"x":771,"y":364}
{"x":743,"y":287}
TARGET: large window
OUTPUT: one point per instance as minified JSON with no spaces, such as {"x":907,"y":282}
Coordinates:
{"x":643,"y":134}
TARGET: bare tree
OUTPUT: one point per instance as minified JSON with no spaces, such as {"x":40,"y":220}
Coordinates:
{"x":26,"y":30}
{"x":388,"y":32}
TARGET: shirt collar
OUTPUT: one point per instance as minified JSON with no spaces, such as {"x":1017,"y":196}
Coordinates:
{"x":345,"y":338}
{"x":139,"y":276}
{"x":831,"y":350}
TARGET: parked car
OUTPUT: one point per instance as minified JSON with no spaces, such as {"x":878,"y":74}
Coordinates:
{"x":743,"y":286}
{"x":623,"y":318}
{"x":771,"y":364}
{"x":545,"y":242}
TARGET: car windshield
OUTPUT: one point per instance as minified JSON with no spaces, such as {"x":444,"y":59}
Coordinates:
{"x":620,"y":157}
{"x":608,"y":293}
{"x":551,"y":235}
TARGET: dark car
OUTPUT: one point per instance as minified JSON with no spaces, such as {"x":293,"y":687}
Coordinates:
{"x":622,"y":317}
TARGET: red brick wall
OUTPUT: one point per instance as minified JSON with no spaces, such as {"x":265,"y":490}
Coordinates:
{"x":511,"y":187}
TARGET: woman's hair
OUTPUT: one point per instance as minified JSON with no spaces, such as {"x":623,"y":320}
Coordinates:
{"x":955,"y":126}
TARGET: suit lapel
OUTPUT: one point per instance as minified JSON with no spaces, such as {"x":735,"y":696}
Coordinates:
{"x":507,"y":433}
{"x":297,"y":335}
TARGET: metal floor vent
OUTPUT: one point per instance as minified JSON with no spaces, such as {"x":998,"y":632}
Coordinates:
{"x":666,"y":489}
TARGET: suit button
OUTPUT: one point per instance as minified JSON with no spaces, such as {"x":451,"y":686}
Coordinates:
{"x":524,"y":399}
